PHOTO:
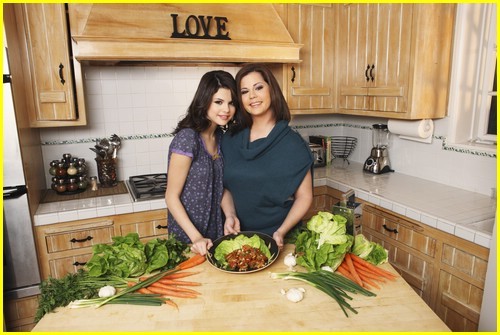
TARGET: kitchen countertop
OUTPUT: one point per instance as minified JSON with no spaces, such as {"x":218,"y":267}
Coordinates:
{"x":253,"y":302}
{"x":459,"y":212}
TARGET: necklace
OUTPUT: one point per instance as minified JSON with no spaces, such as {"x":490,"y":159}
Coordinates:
{"x":215,"y":156}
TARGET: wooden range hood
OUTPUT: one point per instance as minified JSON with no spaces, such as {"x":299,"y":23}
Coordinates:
{"x":213,"y":33}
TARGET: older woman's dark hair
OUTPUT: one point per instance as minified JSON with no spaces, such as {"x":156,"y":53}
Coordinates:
{"x":278,"y":102}
{"x":196,"y":116}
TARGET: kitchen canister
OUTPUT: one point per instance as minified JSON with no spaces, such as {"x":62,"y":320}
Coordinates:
{"x":106,"y":171}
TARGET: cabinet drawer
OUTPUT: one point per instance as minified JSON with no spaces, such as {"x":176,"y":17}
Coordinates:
{"x":149,"y":228}
{"x":408,"y":233}
{"x":60,"y":267}
{"x":79,"y":238}
{"x":417,"y":271}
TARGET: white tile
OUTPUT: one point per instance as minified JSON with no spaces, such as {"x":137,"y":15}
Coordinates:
{"x":428,"y":220}
{"x":141,"y":206}
{"x":399,"y":209}
{"x":483,"y":240}
{"x":386,"y":204}
{"x":45,"y":219}
{"x":88,"y":213}
{"x":50,"y":207}
{"x":374,"y":200}
{"x":124,"y":209}
{"x":68,"y":216}
{"x":412,"y":214}
{"x":446,"y":227}
{"x":363,"y":195}
{"x":158,"y":204}
{"x":464,"y":233}
{"x":68,"y":205}
{"x":106,"y":211}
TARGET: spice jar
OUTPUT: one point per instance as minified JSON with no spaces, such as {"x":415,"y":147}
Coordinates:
{"x":82,"y":182}
{"x":72,"y":169}
{"x":93,"y":183}
{"x":61,"y":170}
{"x":61,"y":186}
{"x":53,"y":167}
{"x":72,"y":185}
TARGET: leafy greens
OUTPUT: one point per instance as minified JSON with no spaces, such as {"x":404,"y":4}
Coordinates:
{"x":369,"y":251}
{"x":324,"y":242}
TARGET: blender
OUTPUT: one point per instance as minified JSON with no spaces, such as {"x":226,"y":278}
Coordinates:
{"x":379,"y":162}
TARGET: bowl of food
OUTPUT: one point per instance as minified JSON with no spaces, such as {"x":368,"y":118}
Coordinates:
{"x":245,"y":252}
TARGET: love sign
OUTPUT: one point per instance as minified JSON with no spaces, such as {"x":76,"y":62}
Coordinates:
{"x":200,"y":27}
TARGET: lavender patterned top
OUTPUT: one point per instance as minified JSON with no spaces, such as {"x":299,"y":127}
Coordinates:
{"x":203,"y":188}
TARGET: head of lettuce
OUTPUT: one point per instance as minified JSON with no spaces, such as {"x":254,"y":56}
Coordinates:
{"x":324,"y":242}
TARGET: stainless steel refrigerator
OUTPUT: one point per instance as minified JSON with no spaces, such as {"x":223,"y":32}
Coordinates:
{"x":21,"y":275}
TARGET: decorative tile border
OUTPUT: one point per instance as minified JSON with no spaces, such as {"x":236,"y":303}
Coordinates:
{"x":445,"y":146}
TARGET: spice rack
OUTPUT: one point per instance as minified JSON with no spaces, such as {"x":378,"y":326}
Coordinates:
{"x":69,"y":175}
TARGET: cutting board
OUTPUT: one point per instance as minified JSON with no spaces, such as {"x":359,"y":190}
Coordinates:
{"x":253,"y":302}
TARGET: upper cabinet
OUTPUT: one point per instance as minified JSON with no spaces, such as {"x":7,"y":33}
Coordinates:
{"x":394,"y":60}
{"x":54,"y":85}
{"x":309,"y":84}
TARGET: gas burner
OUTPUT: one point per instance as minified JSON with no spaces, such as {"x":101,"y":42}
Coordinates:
{"x":148,"y":186}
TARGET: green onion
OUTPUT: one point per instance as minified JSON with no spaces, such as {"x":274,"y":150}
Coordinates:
{"x":139,"y":285}
{"x":336,"y":286}
{"x":131,"y":298}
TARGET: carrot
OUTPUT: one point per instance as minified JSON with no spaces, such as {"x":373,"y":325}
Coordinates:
{"x":367,"y":280}
{"x":195,"y":260}
{"x":373,"y":268}
{"x":178,"y":282}
{"x":144,"y":290}
{"x":180,"y":275}
{"x":175,"y":288}
{"x":170,"y":293}
{"x":171,"y":303}
{"x":366,"y":273}
{"x":345,"y":273}
{"x":352,"y":269}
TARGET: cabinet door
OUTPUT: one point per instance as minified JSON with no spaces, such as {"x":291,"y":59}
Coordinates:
{"x":146,"y":229}
{"x":461,"y":285}
{"x":51,"y":67}
{"x":374,"y":56}
{"x":310,"y":83}
{"x":411,"y":250}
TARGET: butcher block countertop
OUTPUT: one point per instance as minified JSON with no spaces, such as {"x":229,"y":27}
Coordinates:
{"x":253,"y":302}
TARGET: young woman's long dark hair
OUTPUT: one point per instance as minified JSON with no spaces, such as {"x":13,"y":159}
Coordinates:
{"x":196,"y":116}
{"x":278,"y":103}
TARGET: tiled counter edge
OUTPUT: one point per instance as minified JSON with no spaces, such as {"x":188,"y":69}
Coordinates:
{"x":447,"y":226}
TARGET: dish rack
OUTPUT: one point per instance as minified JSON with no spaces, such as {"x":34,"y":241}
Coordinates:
{"x":342,"y":146}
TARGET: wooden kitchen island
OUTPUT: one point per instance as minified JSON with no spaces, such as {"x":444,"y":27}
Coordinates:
{"x":253,"y":302}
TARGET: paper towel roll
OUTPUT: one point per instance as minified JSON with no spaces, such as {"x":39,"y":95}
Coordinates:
{"x":420,"y":130}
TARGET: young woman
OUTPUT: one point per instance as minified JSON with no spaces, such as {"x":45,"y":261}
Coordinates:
{"x":268,"y":166}
{"x":195,"y":166}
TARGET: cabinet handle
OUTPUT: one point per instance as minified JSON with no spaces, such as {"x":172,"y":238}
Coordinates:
{"x":74,"y":240}
{"x":391,"y":230}
{"x":293,"y":74}
{"x":161,"y":227}
{"x":371,"y":72}
{"x":79,"y":264}
{"x":366,"y":72}
{"x":61,"y":67}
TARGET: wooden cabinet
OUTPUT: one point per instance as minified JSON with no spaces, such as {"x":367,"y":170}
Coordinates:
{"x":65,"y":247}
{"x":324,"y":198}
{"x":309,"y":84}
{"x":53,"y":79}
{"x":445,"y":270}
{"x":394,"y":60}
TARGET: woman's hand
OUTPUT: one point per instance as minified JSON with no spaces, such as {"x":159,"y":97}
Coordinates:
{"x":232,"y":225}
{"x":279,"y":238}
{"x":201,"y":246}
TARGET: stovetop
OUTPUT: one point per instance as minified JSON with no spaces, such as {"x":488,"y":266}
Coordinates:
{"x":147,"y":186}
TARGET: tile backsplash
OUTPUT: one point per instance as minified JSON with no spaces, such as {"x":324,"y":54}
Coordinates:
{"x":142,"y":105}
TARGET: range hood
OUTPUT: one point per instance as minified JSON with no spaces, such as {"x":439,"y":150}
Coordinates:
{"x":213,"y":33}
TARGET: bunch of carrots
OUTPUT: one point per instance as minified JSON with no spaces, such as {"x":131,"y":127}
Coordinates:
{"x":172,"y":285}
{"x":363,"y":273}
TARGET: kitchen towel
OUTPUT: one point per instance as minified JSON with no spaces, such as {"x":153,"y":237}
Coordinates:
{"x":420,"y":131}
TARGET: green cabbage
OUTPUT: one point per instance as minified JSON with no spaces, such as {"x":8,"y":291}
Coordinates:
{"x":369,"y":251}
{"x":324,"y":242}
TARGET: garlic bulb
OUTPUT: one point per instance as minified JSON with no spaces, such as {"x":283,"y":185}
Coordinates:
{"x":294,"y":294}
{"x":107,"y":291}
{"x":290,"y":260}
